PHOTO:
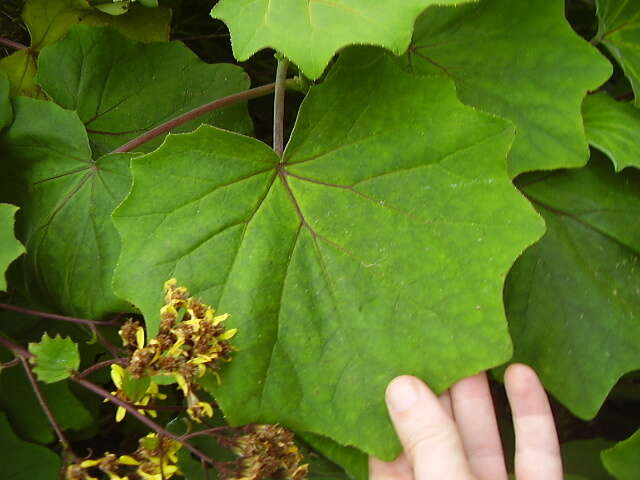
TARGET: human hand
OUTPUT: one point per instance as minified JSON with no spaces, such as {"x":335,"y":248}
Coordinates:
{"x":455,"y":436}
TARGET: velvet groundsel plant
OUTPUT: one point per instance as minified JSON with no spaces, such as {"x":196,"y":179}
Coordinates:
{"x":369,"y":188}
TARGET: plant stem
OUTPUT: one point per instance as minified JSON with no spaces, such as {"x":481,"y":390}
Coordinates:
{"x":278,"y":106}
{"x":22,"y":355}
{"x":45,"y":407}
{"x":147,"y":421}
{"x":10,"y":363}
{"x":12,"y":44}
{"x":99,"y":365}
{"x":195,"y":113}
{"x":17,"y":350}
{"x":36,"y":313}
{"x":208,"y":431}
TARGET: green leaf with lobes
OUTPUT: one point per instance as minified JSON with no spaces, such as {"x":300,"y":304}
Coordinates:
{"x":54,"y":358}
{"x":573,"y":299}
{"x":310,"y":33}
{"x":17,"y":457}
{"x":64,"y":195}
{"x":619,"y":32}
{"x":66,"y":190}
{"x":350,"y":261}
{"x":10,"y":247}
{"x":48,"y":21}
{"x":613,"y":128}
{"x":531,"y":69}
{"x":115,"y":85}
{"x":623,"y":459}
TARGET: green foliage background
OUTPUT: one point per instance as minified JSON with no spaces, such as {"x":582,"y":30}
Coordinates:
{"x":460,"y":190}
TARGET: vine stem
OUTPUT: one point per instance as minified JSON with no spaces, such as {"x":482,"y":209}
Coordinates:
{"x":23,"y":355}
{"x":278,"y":105}
{"x":12,"y":44}
{"x":195,"y":113}
{"x":208,"y":431}
{"x":147,"y":421}
{"x":45,"y":408}
{"x":36,"y":313}
{"x":99,"y":365}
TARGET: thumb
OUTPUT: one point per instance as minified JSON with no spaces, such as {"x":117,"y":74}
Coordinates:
{"x":427,"y":432}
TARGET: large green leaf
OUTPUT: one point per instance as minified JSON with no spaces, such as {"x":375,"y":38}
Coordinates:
{"x":311,"y":32}
{"x":115,"y":85}
{"x":24,"y":461}
{"x":363,"y":255}
{"x":573,"y":299}
{"x":619,"y":31}
{"x":49,"y":20}
{"x":524,"y":65}
{"x":65,"y":194}
{"x":10,"y":247}
{"x":613,"y":128}
{"x":623,"y":460}
{"x":66,"y":200}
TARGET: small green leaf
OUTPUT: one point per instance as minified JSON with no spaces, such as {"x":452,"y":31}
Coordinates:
{"x":310,"y":33}
{"x":55,"y":358}
{"x":623,"y":460}
{"x":114,"y":8}
{"x":10,"y":247}
{"x":619,"y":31}
{"x":481,"y":47}
{"x":25,"y":461}
{"x":572,"y":299}
{"x":332,"y":303}
{"x":613,"y":128}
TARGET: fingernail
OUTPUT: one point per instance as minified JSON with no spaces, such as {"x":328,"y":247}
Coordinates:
{"x":402,"y":394}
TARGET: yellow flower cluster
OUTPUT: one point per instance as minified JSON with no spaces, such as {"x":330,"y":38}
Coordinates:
{"x":267,"y":451}
{"x":155,"y":459}
{"x":191,"y":339}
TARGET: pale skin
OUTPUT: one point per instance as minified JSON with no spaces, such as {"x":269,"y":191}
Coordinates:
{"x":455,"y":436}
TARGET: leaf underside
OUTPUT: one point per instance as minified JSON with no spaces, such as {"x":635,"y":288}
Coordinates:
{"x":347,"y":263}
{"x":613,"y":128}
{"x":619,"y":32}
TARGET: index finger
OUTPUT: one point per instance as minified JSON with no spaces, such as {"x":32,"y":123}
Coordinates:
{"x":537,"y":448}
{"x":426,"y":430}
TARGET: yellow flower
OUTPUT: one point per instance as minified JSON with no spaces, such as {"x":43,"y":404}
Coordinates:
{"x":153,"y":392}
{"x":197,"y":410}
{"x":156,"y":458}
